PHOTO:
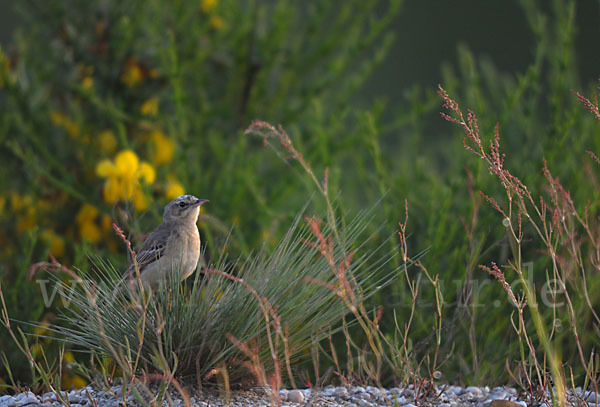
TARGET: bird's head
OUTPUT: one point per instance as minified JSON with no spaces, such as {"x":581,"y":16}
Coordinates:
{"x":183,"y":209}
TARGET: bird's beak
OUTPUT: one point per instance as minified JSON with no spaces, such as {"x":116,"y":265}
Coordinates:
{"x":200,"y":202}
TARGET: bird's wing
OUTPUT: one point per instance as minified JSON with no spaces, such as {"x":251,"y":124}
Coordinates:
{"x":152,"y":249}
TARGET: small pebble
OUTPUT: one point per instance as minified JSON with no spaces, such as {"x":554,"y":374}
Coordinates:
{"x":365,"y":396}
{"x":408,"y":393}
{"x":7,"y":401}
{"x":474,"y":390}
{"x":283,"y":395}
{"x":503,"y":403}
{"x":28,"y":400}
{"x":295,"y":396}
{"x":75,"y":399}
{"x":340,"y":392}
{"x":590,"y":397}
{"x":330,"y":396}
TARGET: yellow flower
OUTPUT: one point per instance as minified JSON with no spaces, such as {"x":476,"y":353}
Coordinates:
{"x":105,"y":169}
{"x":124,"y":177}
{"x":57,"y":118}
{"x":87,"y":82}
{"x":164,"y":148}
{"x":147,"y":173}
{"x":68,"y":357}
{"x":132,"y":73}
{"x":107,"y":141}
{"x":150,"y":107}
{"x":127,"y":163}
{"x":86,"y":219}
{"x":217,"y":22}
{"x":208,"y":5}
{"x":16,"y":201}
{"x":106,"y":223}
{"x":128,"y":185}
{"x":42,"y":328}
{"x":140,"y":201}
{"x":174,"y":189}
{"x":25,"y":211}
{"x":112,"y":190}
{"x":56,"y":242}
{"x":89,"y":231}
{"x":71,"y":380}
{"x":63,"y":121}
{"x":86,"y":213}
{"x":27,"y":220}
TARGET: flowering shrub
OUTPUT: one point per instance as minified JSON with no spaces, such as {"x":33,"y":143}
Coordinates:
{"x":111,"y":110}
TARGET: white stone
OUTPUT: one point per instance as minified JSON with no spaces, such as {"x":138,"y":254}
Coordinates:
{"x":283,"y":395}
{"x":408,"y":393}
{"x":295,"y":396}
{"x":75,"y":399}
{"x":398,"y":399}
{"x":590,"y":396}
{"x":365,"y":396}
{"x":475,"y":390}
{"x":27,"y":399}
{"x":7,"y":401}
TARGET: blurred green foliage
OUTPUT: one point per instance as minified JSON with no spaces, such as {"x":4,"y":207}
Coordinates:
{"x":109,"y":109}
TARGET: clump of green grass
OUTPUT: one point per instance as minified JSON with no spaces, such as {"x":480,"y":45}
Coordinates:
{"x":278,"y":303}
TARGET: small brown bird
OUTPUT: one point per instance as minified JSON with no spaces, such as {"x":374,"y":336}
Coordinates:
{"x":173,"y":247}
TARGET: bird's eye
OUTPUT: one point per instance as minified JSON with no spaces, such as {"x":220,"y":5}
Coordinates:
{"x":181,"y":204}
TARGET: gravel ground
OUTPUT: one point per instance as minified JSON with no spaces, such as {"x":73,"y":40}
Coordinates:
{"x":445,"y":396}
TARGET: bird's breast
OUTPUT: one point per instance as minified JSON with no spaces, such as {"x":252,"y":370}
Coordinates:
{"x":188,"y":249}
